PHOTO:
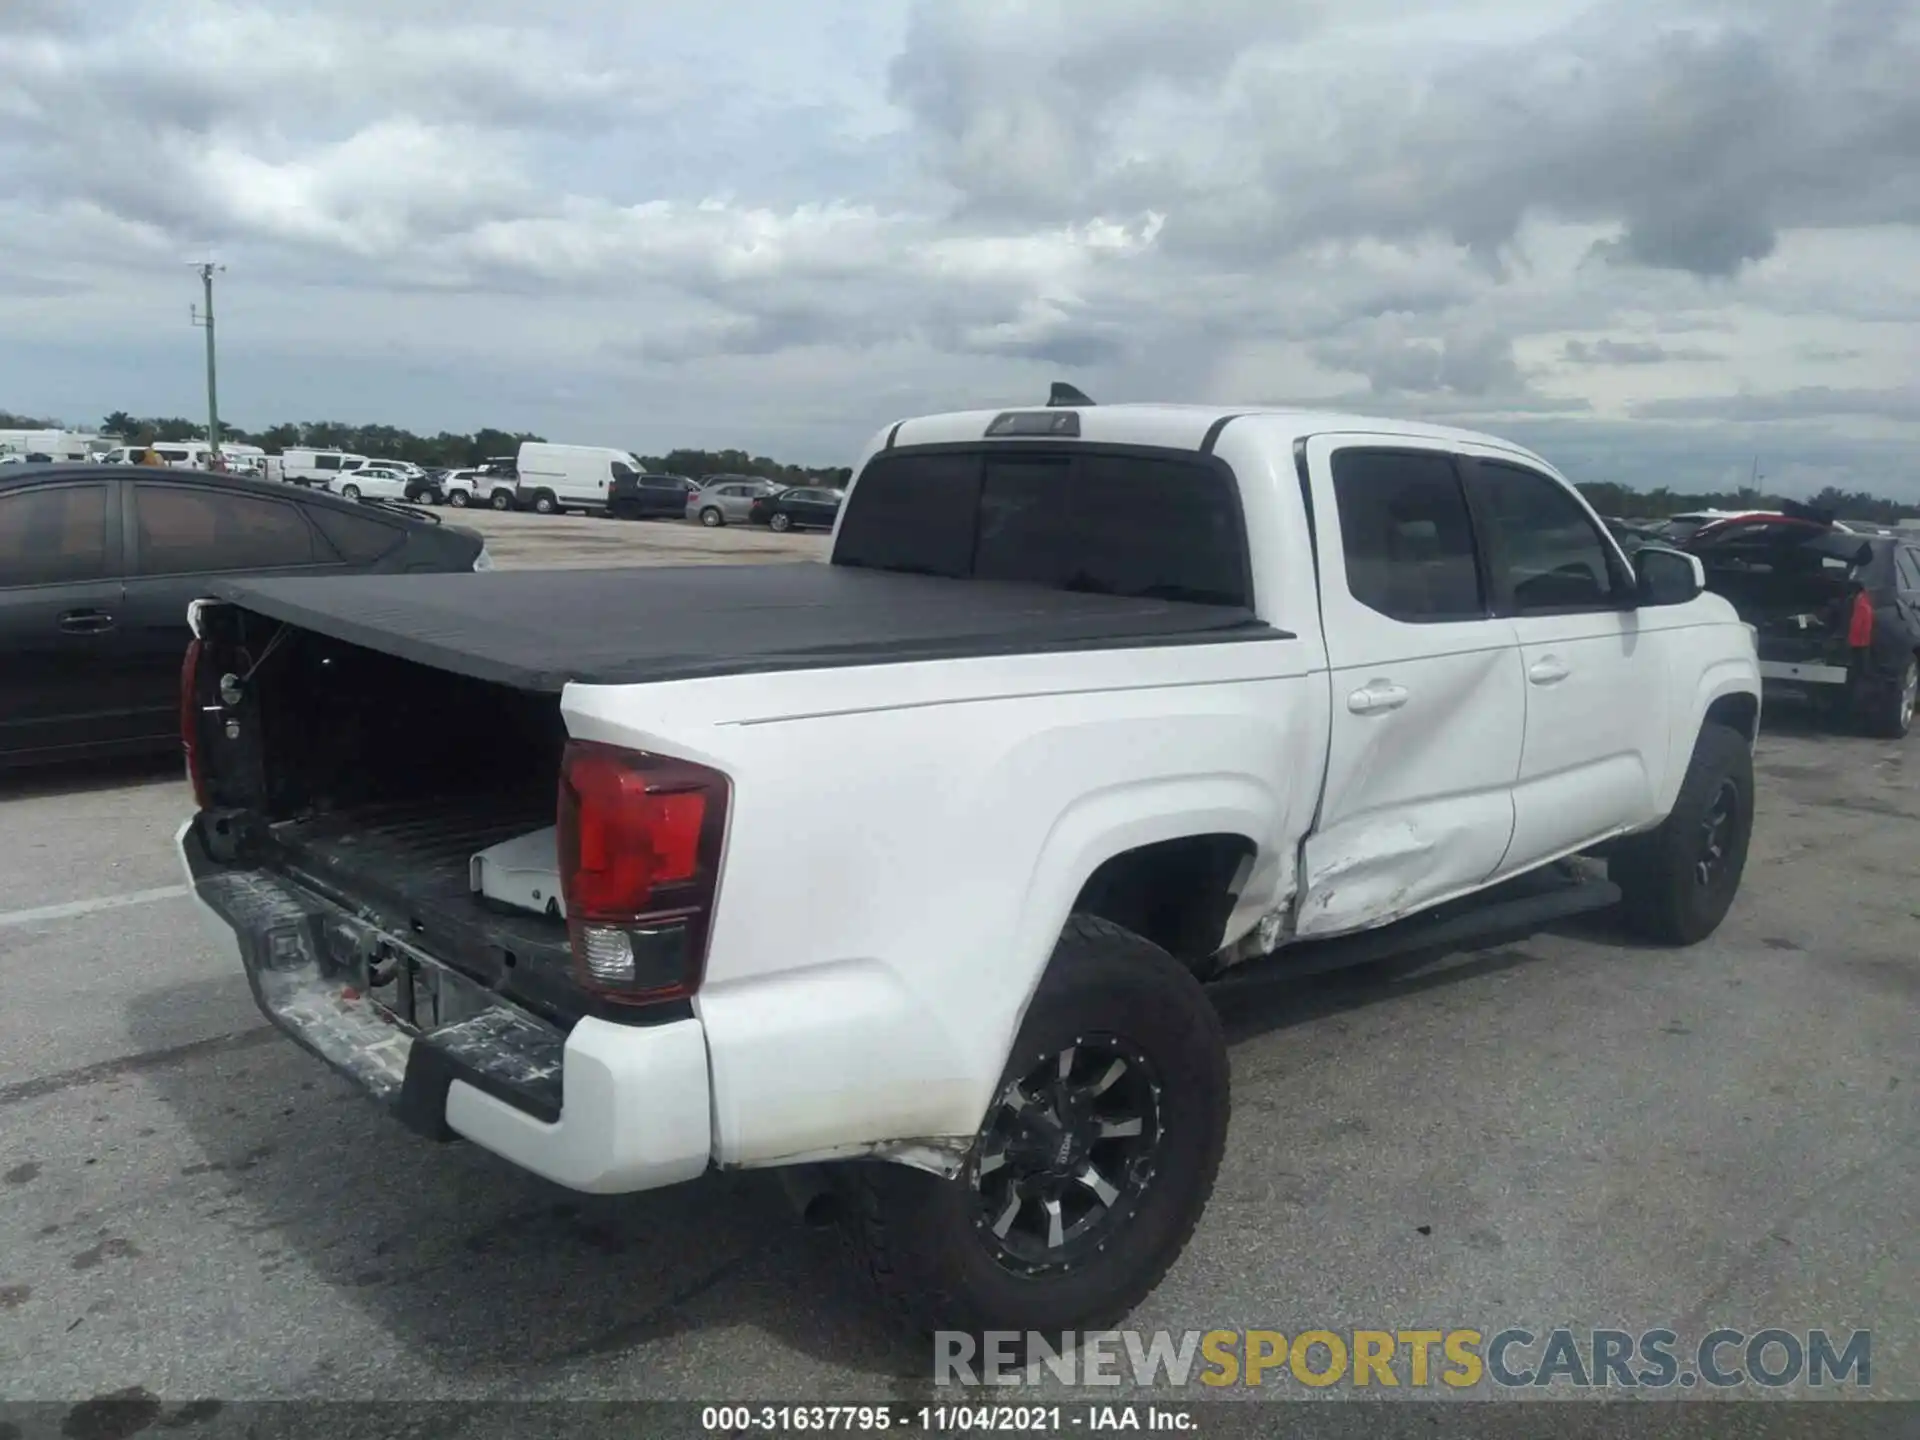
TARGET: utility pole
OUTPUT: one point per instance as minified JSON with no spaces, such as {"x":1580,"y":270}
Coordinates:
{"x":205,"y":322}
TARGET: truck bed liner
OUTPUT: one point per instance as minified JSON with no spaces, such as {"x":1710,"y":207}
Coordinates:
{"x":406,"y":866}
{"x":539,"y":630}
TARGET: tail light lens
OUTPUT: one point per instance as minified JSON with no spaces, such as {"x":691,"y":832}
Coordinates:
{"x":190,"y":720}
{"x":640,"y":838}
{"x":1860,"y":623}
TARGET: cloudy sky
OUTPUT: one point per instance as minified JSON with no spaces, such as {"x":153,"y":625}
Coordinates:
{"x":1657,"y":240}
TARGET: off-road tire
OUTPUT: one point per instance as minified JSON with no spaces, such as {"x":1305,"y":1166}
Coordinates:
{"x":1888,"y":712}
{"x":1663,"y":895}
{"x":915,"y":1233}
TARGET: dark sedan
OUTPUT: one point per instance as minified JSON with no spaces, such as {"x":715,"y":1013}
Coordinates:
{"x":99,"y":563}
{"x":797,"y":509}
{"x":1836,"y":614}
{"x":649,"y":497}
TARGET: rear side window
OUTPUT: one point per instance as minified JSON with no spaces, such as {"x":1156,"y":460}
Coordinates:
{"x":1910,"y":571}
{"x":50,"y":534}
{"x":186,"y":530}
{"x":1101,"y":522}
{"x":1406,"y":536}
{"x":1547,"y":555}
{"x":358,"y":538}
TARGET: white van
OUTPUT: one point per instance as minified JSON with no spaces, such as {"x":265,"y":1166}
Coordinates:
{"x":570,"y":477}
{"x":174,"y":454}
{"x":317,"y":467}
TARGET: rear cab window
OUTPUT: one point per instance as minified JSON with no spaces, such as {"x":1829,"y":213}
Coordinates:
{"x":1106,"y":520}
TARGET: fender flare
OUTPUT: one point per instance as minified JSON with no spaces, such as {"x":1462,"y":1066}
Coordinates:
{"x":1110,"y":822}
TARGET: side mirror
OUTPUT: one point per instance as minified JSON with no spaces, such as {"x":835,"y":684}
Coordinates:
{"x":1664,"y":576}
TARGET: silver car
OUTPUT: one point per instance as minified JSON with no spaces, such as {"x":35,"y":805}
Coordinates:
{"x":727,"y":500}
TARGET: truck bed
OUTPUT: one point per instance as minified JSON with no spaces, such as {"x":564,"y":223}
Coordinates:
{"x":539,"y":630}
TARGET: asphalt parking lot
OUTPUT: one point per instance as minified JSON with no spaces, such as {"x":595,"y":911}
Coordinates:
{"x":580,"y":541}
{"x":1569,"y":1130}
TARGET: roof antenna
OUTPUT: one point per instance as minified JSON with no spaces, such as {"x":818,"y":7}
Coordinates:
{"x":1064,"y":394}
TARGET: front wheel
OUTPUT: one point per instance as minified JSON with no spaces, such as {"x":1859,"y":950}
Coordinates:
{"x":1091,"y":1169}
{"x":350,"y":492}
{"x":1678,"y":882}
{"x":712,"y":518}
{"x":544,"y":505}
{"x":458,"y":499}
{"x":781,"y":522}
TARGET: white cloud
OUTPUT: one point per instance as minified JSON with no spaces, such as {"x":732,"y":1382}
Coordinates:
{"x":799,"y":223}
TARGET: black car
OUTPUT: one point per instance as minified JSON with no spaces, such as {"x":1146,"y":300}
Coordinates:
{"x":99,"y":563}
{"x":648,"y":497}
{"x":1836,"y":614}
{"x":802,"y":508}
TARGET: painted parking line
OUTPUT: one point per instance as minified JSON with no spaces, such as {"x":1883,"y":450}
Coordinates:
{"x":89,"y":907}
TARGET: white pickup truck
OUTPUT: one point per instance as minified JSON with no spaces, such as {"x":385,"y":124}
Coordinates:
{"x":905,"y":873}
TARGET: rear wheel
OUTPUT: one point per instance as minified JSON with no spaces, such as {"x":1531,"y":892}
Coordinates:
{"x":1097,"y":1155}
{"x":1678,"y":882}
{"x":712,"y":518}
{"x":502,"y":500}
{"x":781,"y":522}
{"x":1889,"y":712}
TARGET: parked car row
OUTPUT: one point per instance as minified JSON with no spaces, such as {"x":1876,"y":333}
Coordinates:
{"x":544,"y":478}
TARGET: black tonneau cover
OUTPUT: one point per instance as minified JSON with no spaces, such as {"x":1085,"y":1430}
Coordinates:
{"x":540,"y":629}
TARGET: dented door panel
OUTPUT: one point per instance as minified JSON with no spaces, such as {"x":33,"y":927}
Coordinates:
{"x":1427,"y":725}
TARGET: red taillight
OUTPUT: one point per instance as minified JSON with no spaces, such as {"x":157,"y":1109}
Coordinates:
{"x":1860,"y":623}
{"x":190,"y":720}
{"x":639,"y":840}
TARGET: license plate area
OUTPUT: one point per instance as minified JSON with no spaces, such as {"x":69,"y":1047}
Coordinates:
{"x":405,"y":985}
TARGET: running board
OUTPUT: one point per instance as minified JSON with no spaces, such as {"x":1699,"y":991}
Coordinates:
{"x":1512,"y":911}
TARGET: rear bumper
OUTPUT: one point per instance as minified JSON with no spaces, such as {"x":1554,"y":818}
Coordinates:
{"x":1804,"y":674}
{"x":602,"y":1108}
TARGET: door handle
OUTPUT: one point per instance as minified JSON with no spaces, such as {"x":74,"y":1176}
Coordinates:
{"x":86,"y":622}
{"x":1547,"y":670}
{"x":1377,"y":696}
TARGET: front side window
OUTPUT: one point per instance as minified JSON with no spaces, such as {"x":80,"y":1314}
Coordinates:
{"x":53,"y":533}
{"x":189,"y":530}
{"x":1547,"y":555}
{"x":1405,"y":535}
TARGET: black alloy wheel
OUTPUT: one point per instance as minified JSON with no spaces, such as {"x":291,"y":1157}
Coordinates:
{"x":1066,"y":1154}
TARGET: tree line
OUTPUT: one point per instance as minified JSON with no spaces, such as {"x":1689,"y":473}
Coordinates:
{"x":389,"y":442}
{"x":454,"y":450}
{"x":1622,"y":502}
